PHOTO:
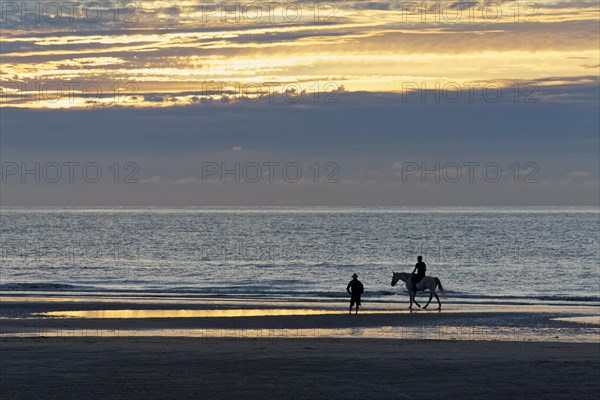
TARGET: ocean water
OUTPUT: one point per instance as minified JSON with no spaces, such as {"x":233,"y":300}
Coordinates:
{"x":526,"y":255}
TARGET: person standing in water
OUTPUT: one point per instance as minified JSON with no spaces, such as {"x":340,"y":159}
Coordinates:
{"x":355,"y":289}
{"x":420,"y":268}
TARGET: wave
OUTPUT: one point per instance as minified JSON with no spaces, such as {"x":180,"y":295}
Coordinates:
{"x":556,"y":297}
{"x":41,"y":286}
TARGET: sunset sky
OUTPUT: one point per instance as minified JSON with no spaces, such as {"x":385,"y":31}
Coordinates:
{"x":367,"y":86}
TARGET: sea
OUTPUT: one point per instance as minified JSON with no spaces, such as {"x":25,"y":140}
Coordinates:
{"x":536,"y":255}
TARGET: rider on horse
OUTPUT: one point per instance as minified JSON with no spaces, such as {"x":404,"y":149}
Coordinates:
{"x":420,"y":268}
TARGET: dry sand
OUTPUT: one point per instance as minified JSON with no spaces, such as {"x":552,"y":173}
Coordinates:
{"x":216,"y":368}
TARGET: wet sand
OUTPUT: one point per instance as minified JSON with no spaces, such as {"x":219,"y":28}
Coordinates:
{"x":102,"y":317}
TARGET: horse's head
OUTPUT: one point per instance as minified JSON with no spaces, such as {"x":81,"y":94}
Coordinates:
{"x":399,"y":276}
{"x":395,"y":278}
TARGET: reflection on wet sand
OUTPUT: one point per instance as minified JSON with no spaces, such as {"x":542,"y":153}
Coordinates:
{"x":224,"y":313}
{"x":496,"y":323}
{"x":435,"y":332}
{"x":266,"y":312}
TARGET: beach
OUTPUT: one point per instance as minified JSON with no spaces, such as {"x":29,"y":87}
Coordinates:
{"x":74,"y":347}
{"x":213,"y":368}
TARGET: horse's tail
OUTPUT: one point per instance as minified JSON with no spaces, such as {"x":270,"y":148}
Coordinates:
{"x":439,"y":283}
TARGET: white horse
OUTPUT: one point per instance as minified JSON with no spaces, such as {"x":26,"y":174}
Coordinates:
{"x":427,"y":282}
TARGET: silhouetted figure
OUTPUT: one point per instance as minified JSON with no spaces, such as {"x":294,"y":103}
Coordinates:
{"x":420,"y":268}
{"x":355,"y":288}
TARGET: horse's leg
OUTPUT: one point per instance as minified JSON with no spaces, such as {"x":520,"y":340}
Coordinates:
{"x":438,"y":300}
{"x":415,"y":298}
{"x":429,"y":301}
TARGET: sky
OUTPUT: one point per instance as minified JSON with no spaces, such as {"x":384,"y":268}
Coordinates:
{"x":339,"y":103}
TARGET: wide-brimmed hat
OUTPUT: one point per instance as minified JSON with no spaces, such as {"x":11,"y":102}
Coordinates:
{"x":354,"y":275}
